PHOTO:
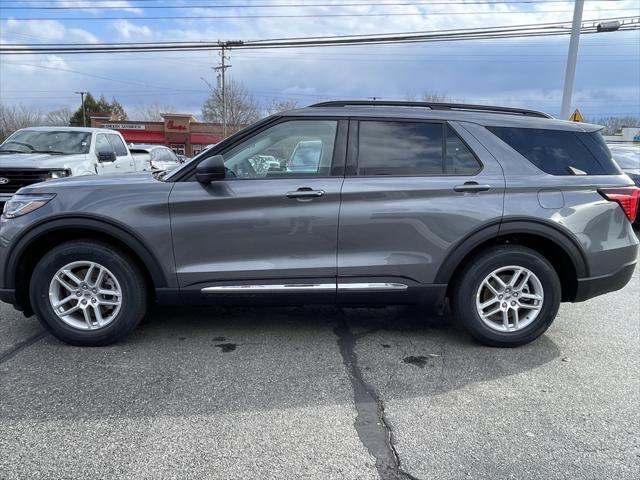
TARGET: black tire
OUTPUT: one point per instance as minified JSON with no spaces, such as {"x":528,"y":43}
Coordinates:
{"x":469,"y":281}
{"x":132,"y":284}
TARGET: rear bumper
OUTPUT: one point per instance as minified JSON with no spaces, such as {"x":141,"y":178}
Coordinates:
{"x":594,"y":286}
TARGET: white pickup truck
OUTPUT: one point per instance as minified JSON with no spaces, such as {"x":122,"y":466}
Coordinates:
{"x":37,"y":154}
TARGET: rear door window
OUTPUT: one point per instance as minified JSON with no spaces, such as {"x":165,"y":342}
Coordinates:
{"x":560,"y":152}
{"x":400,"y":148}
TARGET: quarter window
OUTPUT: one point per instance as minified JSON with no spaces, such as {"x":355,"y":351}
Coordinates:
{"x":459,"y":160}
{"x":560,"y":152}
{"x":293,"y":148}
{"x":400,"y":148}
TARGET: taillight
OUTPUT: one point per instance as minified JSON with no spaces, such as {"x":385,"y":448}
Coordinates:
{"x":627,"y":197}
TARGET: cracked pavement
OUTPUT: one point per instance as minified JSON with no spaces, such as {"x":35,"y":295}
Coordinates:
{"x":260,"y":393}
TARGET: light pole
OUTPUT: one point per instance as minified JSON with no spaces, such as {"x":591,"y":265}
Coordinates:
{"x":84,"y":115}
{"x":570,"y":72}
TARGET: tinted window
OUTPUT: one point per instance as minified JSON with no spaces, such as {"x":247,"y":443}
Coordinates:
{"x":118,"y":145}
{"x":559,"y":152}
{"x":459,"y":160}
{"x":102,"y":144}
{"x":400,"y":148}
{"x":297,"y":147}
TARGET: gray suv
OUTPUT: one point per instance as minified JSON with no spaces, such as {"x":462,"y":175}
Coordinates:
{"x":504,"y":213}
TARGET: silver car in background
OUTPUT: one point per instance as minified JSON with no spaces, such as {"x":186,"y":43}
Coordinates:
{"x":155,"y":157}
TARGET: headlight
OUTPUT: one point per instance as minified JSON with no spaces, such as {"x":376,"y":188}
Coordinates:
{"x":20,"y":205}
{"x":53,"y":174}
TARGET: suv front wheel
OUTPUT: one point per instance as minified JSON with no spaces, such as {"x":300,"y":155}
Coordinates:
{"x":87,"y":293}
{"x":507,"y":296}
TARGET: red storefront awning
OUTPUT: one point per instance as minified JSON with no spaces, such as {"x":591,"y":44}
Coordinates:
{"x":204,"y":138}
{"x":140,"y":136}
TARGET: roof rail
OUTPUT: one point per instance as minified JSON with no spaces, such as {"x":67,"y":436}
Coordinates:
{"x":433,"y":106}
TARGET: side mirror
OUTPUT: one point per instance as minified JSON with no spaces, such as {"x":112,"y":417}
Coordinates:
{"x":210,"y":169}
{"x":106,"y":156}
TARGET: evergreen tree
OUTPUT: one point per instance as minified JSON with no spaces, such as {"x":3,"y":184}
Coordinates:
{"x":93,"y":106}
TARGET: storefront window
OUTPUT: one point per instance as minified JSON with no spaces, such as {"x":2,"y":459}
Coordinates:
{"x":178,"y":148}
{"x":196,"y":149}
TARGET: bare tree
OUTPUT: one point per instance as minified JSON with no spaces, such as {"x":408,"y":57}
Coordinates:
{"x":13,"y":118}
{"x":436,"y":97}
{"x":152,"y":112}
{"x":58,"y":118}
{"x":277,"y":106}
{"x":242,"y":108}
{"x":613,"y":125}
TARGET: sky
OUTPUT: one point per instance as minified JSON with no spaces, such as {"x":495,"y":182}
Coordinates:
{"x":517,"y":72}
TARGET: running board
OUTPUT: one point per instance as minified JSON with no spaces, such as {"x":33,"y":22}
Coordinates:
{"x":305,"y":287}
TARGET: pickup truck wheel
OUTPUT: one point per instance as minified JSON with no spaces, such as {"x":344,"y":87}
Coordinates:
{"x":86,"y":293}
{"x":507,"y":296}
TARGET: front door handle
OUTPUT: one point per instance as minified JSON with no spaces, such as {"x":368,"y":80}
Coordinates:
{"x":471,"y":187}
{"x":305,"y":193}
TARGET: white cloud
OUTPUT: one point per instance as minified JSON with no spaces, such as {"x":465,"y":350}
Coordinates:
{"x":122,"y":5}
{"x":41,"y":31}
{"x":54,"y":62}
{"x":128,"y":30}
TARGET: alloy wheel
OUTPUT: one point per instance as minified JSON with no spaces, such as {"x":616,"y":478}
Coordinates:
{"x":85,"y":295}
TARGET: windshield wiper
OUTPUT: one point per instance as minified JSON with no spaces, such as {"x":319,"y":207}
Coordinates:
{"x":11,"y":151}
{"x":52,"y":152}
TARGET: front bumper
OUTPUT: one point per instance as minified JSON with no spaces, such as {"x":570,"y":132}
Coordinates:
{"x":594,"y":286}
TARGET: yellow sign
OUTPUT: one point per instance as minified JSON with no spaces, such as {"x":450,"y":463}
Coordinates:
{"x":576,"y":116}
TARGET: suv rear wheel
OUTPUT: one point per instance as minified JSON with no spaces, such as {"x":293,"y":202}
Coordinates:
{"x":507,"y":296}
{"x":86,"y":293}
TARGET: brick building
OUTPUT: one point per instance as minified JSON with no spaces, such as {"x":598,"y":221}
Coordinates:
{"x":181,"y":132}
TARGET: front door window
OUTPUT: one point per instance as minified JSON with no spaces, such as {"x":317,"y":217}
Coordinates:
{"x":289,"y":149}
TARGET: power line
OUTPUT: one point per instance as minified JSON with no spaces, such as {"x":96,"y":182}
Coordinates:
{"x":255,"y":4}
{"x":280,"y":5}
{"x":311,"y":15}
{"x":516,"y":31}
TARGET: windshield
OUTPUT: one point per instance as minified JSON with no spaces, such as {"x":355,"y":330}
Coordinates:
{"x":42,"y":141}
{"x":627,"y":157}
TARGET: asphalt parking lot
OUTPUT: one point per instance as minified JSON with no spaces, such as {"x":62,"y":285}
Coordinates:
{"x":325,"y":393}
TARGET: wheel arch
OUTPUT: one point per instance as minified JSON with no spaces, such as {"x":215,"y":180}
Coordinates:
{"x":40,"y":238}
{"x":552,"y":241}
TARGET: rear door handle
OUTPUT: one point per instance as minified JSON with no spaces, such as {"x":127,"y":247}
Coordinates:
{"x":305,"y":193}
{"x":471,"y":187}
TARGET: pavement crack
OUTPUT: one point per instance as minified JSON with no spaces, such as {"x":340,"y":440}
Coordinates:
{"x":371,"y":425}
{"x":16,"y":349}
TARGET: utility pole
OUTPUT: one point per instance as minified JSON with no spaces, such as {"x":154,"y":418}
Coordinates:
{"x":84,"y":114}
{"x":570,"y":72}
{"x":221,"y":69}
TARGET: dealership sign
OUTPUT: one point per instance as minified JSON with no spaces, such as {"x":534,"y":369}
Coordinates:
{"x":124,"y":126}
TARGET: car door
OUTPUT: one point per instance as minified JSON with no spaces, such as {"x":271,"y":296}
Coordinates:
{"x":103,"y":145}
{"x":124,"y":161}
{"x":264,"y":228}
{"x":413,"y":189}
